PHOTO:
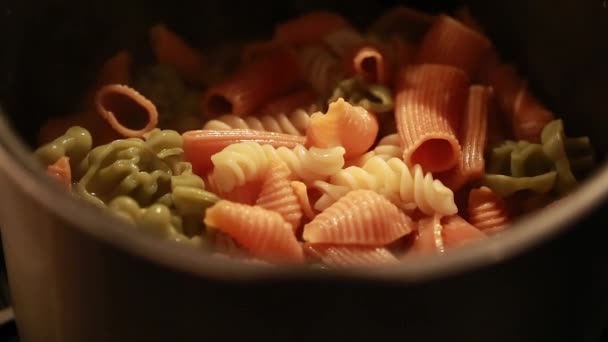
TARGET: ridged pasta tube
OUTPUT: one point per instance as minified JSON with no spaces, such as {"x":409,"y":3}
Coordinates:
{"x":239,"y":163}
{"x":294,"y":123}
{"x":407,"y":188}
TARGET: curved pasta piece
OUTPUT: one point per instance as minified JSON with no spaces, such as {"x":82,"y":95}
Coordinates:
{"x":507,"y":185}
{"x":240,"y":163}
{"x":448,"y":233}
{"x":341,"y":256}
{"x":427,"y":119}
{"x":75,"y":144}
{"x":345,"y":125}
{"x":518,"y":159}
{"x":309,"y":28}
{"x":370,"y":63}
{"x":247,"y":193}
{"x":553,"y":140}
{"x":407,"y":188}
{"x":200,"y":145}
{"x":321,"y":69}
{"x":61,"y":171}
{"x":373,"y":97}
{"x":472,"y":137}
{"x":450,"y":42}
{"x":487,"y":211}
{"x":123,"y":107}
{"x":171,"y":49}
{"x":253,"y":85}
{"x":404,"y":22}
{"x":294,"y":124}
{"x":301,"y":191}
{"x":388,"y":147}
{"x":262,"y":232}
{"x":278,"y":195}
{"x":362,"y":218}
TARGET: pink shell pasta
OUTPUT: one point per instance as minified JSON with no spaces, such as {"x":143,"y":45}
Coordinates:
{"x":352,"y":127}
{"x":473,"y":135}
{"x":61,"y":171}
{"x":254,"y":85}
{"x":439,"y":235}
{"x":342,"y":256}
{"x":309,"y":28}
{"x":457,"y":232}
{"x":200,"y":145}
{"x":264,"y":233}
{"x":363,"y":218}
{"x":123,"y":107}
{"x":429,"y":104}
{"x":244,"y":194}
{"x":487,"y":211}
{"x":452,"y":43}
{"x":278,"y":195}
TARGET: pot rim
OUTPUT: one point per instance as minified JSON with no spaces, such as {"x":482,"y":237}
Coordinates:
{"x":18,"y":164}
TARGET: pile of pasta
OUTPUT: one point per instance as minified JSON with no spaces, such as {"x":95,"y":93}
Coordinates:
{"x":323,"y":144}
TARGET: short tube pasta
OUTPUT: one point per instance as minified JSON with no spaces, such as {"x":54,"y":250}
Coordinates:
{"x":473,"y":136}
{"x":254,"y":85}
{"x":452,"y":43}
{"x":427,"y":119}
{"x":309,"y":28}
{"x":123,"y":107}
{"x":171,"y":49}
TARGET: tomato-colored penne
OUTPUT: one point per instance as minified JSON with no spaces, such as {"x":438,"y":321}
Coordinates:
{"x":127,"y":111}
{"x":370,"y":62}
{"x":264,"y":233}
{"x":200,"y":145}
{"x":278,"y":195}
{"x":429,"y":104}
{"x":472,"y":137}
{"x":171,"y":49}
{"x":309,"y":28}
{"x":363,"y":218}
{"x":452,"y":43}
{"x":341,"y":256}
{"x":254,"y":85}
{"x":487,"y":211}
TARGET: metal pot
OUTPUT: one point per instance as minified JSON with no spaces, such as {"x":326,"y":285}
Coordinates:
{"x":78,"y":275}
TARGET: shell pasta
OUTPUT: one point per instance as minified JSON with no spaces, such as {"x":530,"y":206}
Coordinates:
{"x":326,"y":142}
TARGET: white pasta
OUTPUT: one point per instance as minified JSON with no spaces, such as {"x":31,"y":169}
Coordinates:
{"x":294,"y":124}
{"x":240,"y":163}
{"x":321,"y":69}
{"x":387,"y":148}
{"x":407,"y":188}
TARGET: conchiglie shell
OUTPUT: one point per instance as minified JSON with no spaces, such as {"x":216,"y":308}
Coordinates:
{"x":453,"y":231}
{"x":457,"y":232}
{"x":345,"y":125}
{"x":362,"y":217}
{"x":301,"y":191}
{"x":264,"y":233}
{"x":278,"y":195}
{"x":487,"y":210}
{"x":244,"y":194}
{"x":341,"y":256}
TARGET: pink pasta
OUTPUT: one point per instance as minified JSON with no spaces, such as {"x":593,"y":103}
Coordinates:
{"x":301,"y":192}
{"x":362,"y":217}
{"x":452,"y":43}
{"x":278,"y":195}
{"x":472,"y":137}
{"x":371,"y":63}
{"x":345,"y":125}
{"x":341,"y":256}
{"x":429,"y":104}
{"x":254,"y":85}
{"x":127,"y":111}
{"x":286,"y":104}
{"x":244,"y":194}
{"x":61,"y":171}
{"x":264,"y":233}
{"x":487,"y":210}
{"x":200,"y":145}
{"x":437,"y":236}
{"x":309,"y":28}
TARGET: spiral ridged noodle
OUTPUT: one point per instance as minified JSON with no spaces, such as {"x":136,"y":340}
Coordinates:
{"x":294,"y":123}
{"x":239,"y":163}
{"x":387,"y":148}
{"x":75,"y":144}
{"x":409,"y":189}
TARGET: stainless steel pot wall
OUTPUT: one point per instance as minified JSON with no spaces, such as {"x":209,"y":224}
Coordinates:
{"x":78,"y":276}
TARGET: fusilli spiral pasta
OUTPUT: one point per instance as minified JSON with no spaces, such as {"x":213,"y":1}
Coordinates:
{"x":239,"y":163}
{"x":388,"y":147}
{"x":407,"y":188}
